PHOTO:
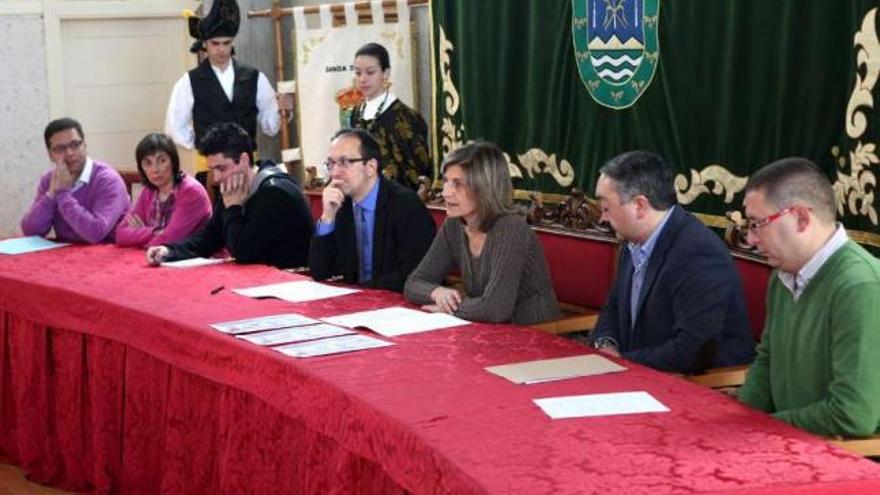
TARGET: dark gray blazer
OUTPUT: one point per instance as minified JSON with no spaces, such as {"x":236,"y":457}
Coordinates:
{"x":691,"y":313}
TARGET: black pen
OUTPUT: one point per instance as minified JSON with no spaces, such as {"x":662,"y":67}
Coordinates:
{"x":217,"y":290}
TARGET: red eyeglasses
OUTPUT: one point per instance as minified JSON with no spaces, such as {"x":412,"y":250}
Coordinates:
{"x":754,"y":225}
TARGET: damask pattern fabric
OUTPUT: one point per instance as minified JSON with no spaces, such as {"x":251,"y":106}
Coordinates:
{"x":120,"y":386}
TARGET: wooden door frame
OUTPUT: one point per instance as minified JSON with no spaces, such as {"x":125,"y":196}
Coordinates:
{"x":55,"y":12}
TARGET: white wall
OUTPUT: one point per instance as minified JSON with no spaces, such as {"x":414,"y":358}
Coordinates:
{"x":32,"y":88}
{"x":24,"y":111}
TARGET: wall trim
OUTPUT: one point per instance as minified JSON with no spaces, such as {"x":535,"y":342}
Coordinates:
{"x":54,"y":12}
{"x":23,"y":7}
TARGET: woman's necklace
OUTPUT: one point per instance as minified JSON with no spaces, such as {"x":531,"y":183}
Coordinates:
{"x":361,"y":121}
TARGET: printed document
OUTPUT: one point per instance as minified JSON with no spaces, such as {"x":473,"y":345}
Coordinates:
{"x":335,"y":345}
{"x":300,"y":291}
{"x":395,"y":321}
{"x":582,"y":406}
{"x":259,"y":323}
{"x":296,"y":334}
{"x":193,"y":262}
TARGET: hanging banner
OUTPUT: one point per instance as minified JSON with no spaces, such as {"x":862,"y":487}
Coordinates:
{"x":719,"y":88}
{"x":324,"y":68}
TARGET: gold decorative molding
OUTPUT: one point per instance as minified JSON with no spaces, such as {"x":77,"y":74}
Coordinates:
{"x":866,"y":238}
{"x":524,"y":194}
{"x":867,"y":56}
{"x":722,"y":180}
{"x":553,"y":200}
{"x":452,"y":135}
{"x":717,"y":221}
{"x":512,"y":168}
{"x":536,"y":161}
{"x":854,"y":191}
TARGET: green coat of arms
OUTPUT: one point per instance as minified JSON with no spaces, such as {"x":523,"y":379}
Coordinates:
{"x":616,"y":48}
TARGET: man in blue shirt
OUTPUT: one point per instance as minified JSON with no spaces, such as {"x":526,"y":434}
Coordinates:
{"x":372,"y":231}
{"x":678,"y":302}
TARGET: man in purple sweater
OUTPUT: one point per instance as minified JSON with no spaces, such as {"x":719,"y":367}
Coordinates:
{"x":80,"y":198}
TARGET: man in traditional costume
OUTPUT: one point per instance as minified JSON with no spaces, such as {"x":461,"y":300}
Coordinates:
{"x":219,"y":89}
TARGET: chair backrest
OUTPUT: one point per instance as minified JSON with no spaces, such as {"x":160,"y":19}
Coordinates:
{"x":755,"y":277}
{"x":582,"y":269}
{"x":130,"y":178}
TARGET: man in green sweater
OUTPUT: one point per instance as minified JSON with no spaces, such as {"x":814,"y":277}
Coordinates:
{"x":816,"y":366}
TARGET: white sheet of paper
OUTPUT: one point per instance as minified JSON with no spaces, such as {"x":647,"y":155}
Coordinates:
{"x":395,"y":321}
{"x":300,"y":291}
{"x":30,"y":244}
{"x":296,"y":334}
{"x":335,"y":345}
{"x":193,"y":262}
{"x":582,"y":406}
{"x":259,"y":323}
{"x":546,"y":370}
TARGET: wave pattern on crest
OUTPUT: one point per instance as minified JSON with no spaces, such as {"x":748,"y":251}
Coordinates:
{"x":615,"y":75}
{"x":615,"y":61}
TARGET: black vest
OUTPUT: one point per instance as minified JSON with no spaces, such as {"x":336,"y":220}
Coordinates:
{"x":211,"y":106}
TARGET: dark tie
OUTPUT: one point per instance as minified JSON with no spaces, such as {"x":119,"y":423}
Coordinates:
{"x":363,"y":242}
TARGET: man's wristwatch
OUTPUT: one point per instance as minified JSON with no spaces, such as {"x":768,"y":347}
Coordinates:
{"x":603,"y":342}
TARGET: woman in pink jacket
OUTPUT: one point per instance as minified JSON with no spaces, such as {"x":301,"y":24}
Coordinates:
{"x":171,"y":205}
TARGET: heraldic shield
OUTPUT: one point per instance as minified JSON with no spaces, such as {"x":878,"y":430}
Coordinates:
{"x":616,"y":48}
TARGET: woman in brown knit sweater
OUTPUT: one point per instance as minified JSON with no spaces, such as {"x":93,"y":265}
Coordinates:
{"x":487,"y":239}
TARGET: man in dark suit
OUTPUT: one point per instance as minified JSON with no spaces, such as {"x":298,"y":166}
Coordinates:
{"x":677,"y":303}
{"x":372,"y":231}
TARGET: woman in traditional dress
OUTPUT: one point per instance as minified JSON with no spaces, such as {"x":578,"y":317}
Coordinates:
{"x":400,"y":131}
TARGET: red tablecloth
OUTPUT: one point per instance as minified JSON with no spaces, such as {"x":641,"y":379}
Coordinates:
{"x":112,"y":381}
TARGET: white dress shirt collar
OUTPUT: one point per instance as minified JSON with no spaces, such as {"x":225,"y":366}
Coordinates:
{"x":85,"y":176}
{"x":797,"y":282}
{"x":226,"y":77}
{"x":372,"y":110}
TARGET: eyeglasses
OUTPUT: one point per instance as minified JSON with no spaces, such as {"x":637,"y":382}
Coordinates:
{"x":754,"y":225}
{"x":455,"y":184}
{"x":341,"y":162}
{"x":60,"y":149}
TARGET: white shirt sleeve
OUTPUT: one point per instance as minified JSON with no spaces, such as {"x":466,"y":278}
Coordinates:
{"x":178,"y":118}
{"x":267,"y":107}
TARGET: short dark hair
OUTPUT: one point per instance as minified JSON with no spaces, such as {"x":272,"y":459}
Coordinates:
{"x":59,"y":125}
{"x":150,"y":145}
{"x":488,"y":177}
{"x":642,"y":173}
{"x":376,"y":51}
{"x":227,"y":138}
{"x":795,"y":179}
{"x":369,"y":147}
